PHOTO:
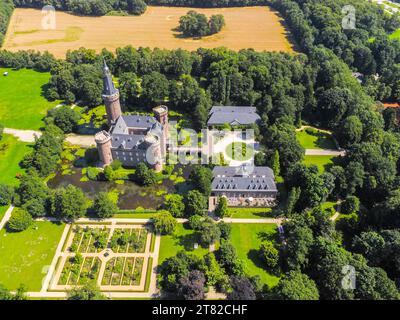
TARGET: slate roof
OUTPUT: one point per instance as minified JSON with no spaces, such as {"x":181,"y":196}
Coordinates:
{"x":261,"y":179}
{"x":245,"y":170}
{"x":121,"y":139}
{"x":233,"y":115}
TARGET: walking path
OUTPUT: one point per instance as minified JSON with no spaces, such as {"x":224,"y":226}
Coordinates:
{"x":325,"y":152}
{"x":29,"y":136}
{"x":7,"y":216}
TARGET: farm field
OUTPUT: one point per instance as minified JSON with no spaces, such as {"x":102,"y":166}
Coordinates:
{"x":22,"y":105}
{"x":247,"y":239}
{"x":25,"y":254}
{"x":12,"y":152}
{"x":250,"y":27}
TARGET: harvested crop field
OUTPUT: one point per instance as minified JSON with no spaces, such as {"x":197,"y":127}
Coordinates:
{"x":259,"y":28}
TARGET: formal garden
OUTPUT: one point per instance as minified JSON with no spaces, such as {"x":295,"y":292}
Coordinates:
{"x":116,"y":257}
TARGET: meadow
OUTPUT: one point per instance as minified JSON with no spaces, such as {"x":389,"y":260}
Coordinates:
{"x":247,"y":239}
{"x":22,"y":104}
{"x":250,"y":27}
{"x":25,"y":255}
{"x":12,"y":152}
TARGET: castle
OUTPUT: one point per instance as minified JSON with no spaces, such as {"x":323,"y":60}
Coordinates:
{"x":132,"y":138}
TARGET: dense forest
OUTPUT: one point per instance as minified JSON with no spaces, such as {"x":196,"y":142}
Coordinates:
{"x":316,"y":86}
{"x":367,"y":49}
{"x":102,"y":7}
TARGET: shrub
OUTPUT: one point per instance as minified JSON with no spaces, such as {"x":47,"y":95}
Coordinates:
{"x":20,"y":220}
{"x":35,"y":207}
{"x":103,"y":206}
{"x":174,"y":204}
{"x":93,"y":173}
{"x":6,"y":194}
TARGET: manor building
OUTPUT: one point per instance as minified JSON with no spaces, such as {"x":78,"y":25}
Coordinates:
{"x":132,"y":138}
{"x":244,"y":186}
{"x":234,"y":116}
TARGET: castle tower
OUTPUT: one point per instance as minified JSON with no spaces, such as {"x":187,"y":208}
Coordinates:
{"x":161,"y":114}
{"x":154,"y":152}
{"x":103,"y":142}
{"x":110,"y":96}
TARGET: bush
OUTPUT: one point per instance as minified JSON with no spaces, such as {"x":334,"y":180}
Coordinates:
{"x":93,"y":173}
{"x":65,"y":118}
{"x":20,"y":220}
{"x":6,"y":194}
{"x":226,"y":230}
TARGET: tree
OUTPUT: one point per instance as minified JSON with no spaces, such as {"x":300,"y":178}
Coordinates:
{"x":175,"y":205}
{"x":6,"y":194}
{"x":270,"y":255}
{"x":226,"y":230}
{"x":215,"y":275}
{"x":35,"y":207}
{"x":196,"y":203}
{"x":209,"y":232}
{"x":69,"y":203}
{"x":371,"y":245}
{"x":242,"y":289}
{"x":65,"y":118}
{"x":201,"y":178}
{"x":350,"y":132}
{"x":191,"y":287}
{"x":295,"y":286}
{"x":144,"y":175}
{"x":89,"y":291}
{"x":104,"y":206}
{"x":195,"y":24}
{"x":228,"y":258}
{"x":5,"y":294}
{"x":351,"y":205}
{"x":222,"y":207}
{"x":155,"y":88}
{"x":164,"y":223}
{"x":276,"y":166}
{"x":20,"y":220}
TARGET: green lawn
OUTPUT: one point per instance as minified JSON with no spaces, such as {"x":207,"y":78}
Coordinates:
{"x":12,"y":152}
{"x":395,"y":35}
{"x":322,"y":162}
{"x":3,"y":210}
{"x":183,"y":239}
{"x":250,"y":213}
{"x":247,"y":239}
{"x":25,"y":254}
{"x":311,"y":138}
{"x":22,"y":105}
{"x":331,"y":206}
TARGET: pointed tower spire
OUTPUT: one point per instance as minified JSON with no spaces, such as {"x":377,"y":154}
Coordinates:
{"x":109,"y":88}
{"x":110,"y":96}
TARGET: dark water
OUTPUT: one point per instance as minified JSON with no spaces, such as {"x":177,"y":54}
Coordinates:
{"x":131,"y":195}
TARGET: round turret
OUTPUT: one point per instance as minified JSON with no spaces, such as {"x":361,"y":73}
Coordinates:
{"x":103,"y":142}
{"x":154,"y":153}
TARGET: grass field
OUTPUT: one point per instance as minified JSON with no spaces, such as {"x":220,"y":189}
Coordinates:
{"x":322,"y":162}
{"x":312,"y":138}
{"x":25,"y":254}
{"x":247,"y":239}
{"x":395,"y":35}
{"x":250,"y":213}
{"x":12,"y":152}
{"x":183,"y":239}
{"x":249,"y":27}
{"x":22,"y":105}
{"x":3,"y":210}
